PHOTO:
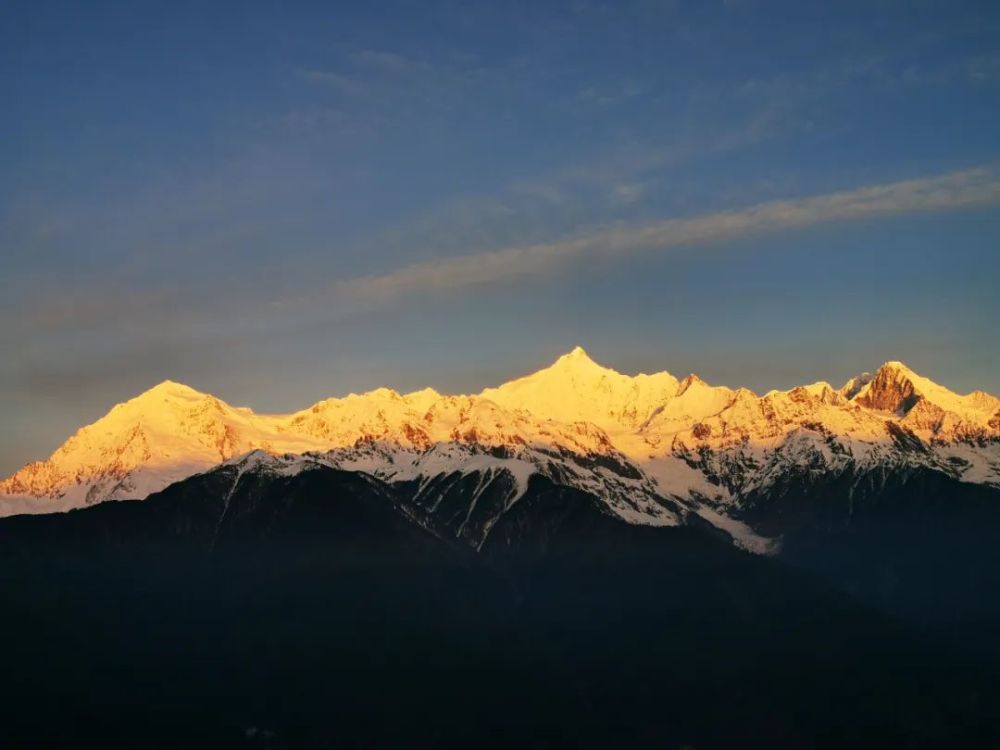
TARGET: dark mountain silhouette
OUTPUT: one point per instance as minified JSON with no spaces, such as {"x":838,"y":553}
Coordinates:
{"x":328,"y":609}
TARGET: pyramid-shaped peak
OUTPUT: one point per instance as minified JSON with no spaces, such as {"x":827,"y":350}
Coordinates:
{"x":688,"y":382}
{"x":576,"y":355}
{"x":576,"y":389}
{"x":896,"y":388}
{"x":899,"y":372}
{"x":895,"y":366}
{"x":575,"y":364}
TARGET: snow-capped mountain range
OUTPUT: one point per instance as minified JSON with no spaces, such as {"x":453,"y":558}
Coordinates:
{"x":656,"y":450}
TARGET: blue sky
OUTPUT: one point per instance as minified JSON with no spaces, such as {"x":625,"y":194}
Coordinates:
{"x":281,"y":204}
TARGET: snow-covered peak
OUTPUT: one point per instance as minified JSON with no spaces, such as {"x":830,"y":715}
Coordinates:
{"x":171,"y":390}
{"x":820,"y":389}
{"x":166,"y":405}
{"x":576,"y":364}
{"x":576,"y":354}
{"x":423,"y":399}
{"x":984,"y":402}
{"x":852,"y":387}
{"x":692,"y":380}
{"x":694,"y":400}
{"x":928,"y":409}
{"x":172,"y":387}
{"x":896,"y":388}
{"x":577,"y":389}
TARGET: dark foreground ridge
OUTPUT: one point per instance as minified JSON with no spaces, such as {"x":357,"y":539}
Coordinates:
{"x":327,"y":610}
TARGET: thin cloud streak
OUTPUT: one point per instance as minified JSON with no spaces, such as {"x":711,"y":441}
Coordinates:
{"x":955,"y":190}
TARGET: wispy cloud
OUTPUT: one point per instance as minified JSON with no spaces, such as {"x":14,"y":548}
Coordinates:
{"x":356,"y":78}
{"x":951,"y":191}
{"x":598,"y":188}
{"x":882,"y":71}
{"x":346,"y":84}
{"x":627,"y":192}
{"x":65,"y":316}
{"x":392,"y":62}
